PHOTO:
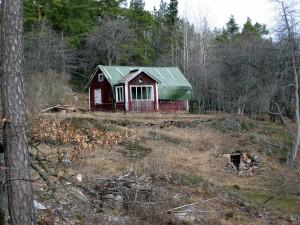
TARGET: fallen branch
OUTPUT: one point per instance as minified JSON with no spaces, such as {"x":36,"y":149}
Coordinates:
{"x":43,"y":175}
{"x":192,"y":204}
{"x":274,"y":145}
{"x":18,"y":179}
{"x":203,"y":211}
{"x":268,"y":199}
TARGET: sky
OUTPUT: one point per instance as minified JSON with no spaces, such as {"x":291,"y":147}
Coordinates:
{"x":218,"y":11}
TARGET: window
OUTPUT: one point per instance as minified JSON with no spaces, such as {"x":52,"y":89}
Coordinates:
{"x":98,"y":96}
{"x":133,"y":92}
{"x":100,"y":77}
{"x":142,"y":93}
{"x":119,"y":94}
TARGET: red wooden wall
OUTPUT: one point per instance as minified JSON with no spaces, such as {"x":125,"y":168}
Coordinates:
{"x":106,"y":92}
{"x":142,"y":106}
{"x":169,"y":106}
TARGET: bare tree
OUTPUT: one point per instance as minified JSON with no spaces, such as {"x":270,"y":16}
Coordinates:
{"x":19,"y":189}
{"x":44,"y":50}
{"x":241,"y":70}
{"x":288,"y":32}
{"x":109,"y":38}
{"x":46,"y":64}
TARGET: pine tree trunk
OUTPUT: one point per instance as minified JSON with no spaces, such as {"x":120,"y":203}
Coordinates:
{"x":19,"y":189}
{"x":3,"y":194}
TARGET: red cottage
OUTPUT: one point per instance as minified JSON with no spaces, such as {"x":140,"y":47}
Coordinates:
{"x":138,"y":89}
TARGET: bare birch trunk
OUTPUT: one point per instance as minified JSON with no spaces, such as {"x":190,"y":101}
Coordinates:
{"x":297,"y":139}
{"x":20,"y":198}
{"x":291,"y":40}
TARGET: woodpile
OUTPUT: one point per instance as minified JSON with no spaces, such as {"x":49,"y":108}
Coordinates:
{"x":62,"y":108}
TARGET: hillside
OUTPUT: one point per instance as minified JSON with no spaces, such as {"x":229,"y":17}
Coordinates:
{"x":64,"y":161}
{"x":172,"y":169}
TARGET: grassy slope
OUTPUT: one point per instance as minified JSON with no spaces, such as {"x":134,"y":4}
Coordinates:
{"x":185,"y":157}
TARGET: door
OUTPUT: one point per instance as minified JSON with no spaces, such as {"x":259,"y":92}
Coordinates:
{"x":98,"y":96}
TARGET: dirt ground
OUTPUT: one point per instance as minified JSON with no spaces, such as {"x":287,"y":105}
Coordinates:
{"x":184,"y":156}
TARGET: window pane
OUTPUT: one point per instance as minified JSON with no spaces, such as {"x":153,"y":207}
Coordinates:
{"x":121,"y":94}
{"x":144,"y":92}
{"x":117,"y":94}
{"x":139,"y":93}
{"x":149,"y":93}
{"x":133,"y":93}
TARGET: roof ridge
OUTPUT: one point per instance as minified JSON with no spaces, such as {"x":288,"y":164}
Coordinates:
{"x":133,"y":73}
{"x":139,"y":67}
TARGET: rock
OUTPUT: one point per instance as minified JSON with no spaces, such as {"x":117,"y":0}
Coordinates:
{"x":79,"y":177}
{"x":77,"y":193}
{"x":189,"y":215}
{"x":227,"y":156}
{"x":115,"y":201}
{"x":116,"y":219}
{"x":67,"y":162}
{"x":178,"y":196}
{"x":255,"y":158}
{"x":291,"y":218}
{"x":39,"y":205}
{"x":242,"y":165}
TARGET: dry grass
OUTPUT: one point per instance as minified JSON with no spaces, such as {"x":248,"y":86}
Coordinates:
{"x":188,"y":161}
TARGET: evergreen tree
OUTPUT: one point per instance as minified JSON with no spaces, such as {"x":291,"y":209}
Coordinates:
{"x":161,"y":37}
{"x":248,"y":28}
{"x":137,"y":5}
{"x":140,"y":51}
{"x":74,"y":18}
{"x":160,"y":14}
{"x":172,"y":12}
{"x":257,"y":29}
{"x":261,"y":28}
{"x":232,"y":27}
{"x":110,"y":9}
{"x":230,"y":31}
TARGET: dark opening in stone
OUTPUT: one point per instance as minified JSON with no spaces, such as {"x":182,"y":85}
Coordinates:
{"x":235,"y":158}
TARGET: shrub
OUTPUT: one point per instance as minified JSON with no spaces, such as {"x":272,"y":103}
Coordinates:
{"x":247,"y":125}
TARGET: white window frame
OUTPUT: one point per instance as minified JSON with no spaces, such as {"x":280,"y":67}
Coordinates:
{"x":100,"y":77}
{"x":118,"y":99}
{"x":98,"y":102}
{"x":141,"y":86}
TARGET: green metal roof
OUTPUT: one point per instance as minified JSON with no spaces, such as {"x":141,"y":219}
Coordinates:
{"x":173,"y":84}
{"x":134,"y":73}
